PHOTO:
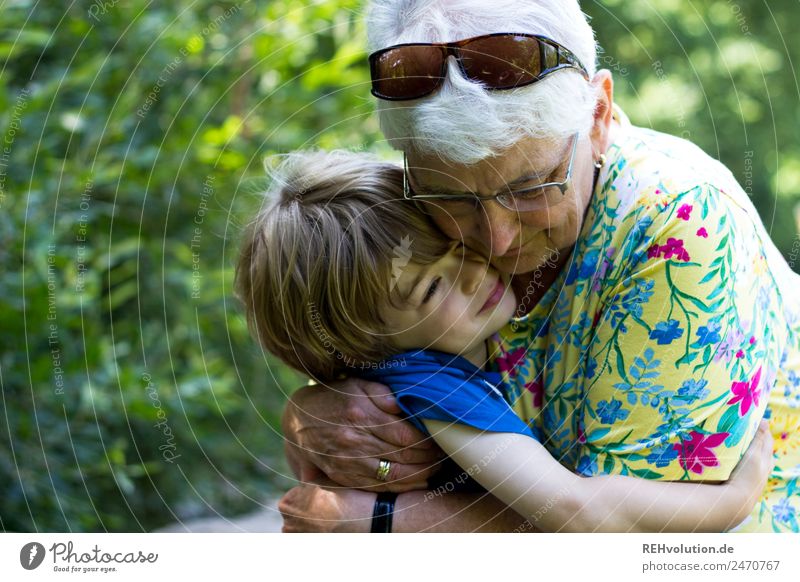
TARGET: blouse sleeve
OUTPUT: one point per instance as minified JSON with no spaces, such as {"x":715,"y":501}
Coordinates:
{"x":684,"y":345}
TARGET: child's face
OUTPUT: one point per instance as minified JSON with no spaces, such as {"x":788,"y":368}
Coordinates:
{"x":452,"y":305}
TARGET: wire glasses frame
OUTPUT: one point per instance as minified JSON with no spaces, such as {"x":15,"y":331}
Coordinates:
{"x":517,"y":200}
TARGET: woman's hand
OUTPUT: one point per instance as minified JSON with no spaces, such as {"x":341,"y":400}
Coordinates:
{"x":315,"y":508}
{"x":342,"y":430}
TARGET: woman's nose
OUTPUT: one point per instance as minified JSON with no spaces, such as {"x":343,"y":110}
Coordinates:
{"x":497,"y":228}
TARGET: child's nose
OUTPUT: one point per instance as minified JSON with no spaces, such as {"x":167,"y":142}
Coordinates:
{"x":474,"y":268}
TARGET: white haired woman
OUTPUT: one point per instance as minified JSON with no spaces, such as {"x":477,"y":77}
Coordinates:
{"x":657,"y":323}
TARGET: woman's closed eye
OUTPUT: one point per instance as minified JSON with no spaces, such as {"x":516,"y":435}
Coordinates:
{"x":528,"y":193}
{"x":431,"y":290}
{"x":538,"y":179}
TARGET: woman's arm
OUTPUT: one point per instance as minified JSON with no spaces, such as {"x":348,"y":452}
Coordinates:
{"x":315,"y":508}
{"x":521,"y":473}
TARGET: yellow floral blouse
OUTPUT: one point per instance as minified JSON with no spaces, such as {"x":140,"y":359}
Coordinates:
{"x":673,"y":329}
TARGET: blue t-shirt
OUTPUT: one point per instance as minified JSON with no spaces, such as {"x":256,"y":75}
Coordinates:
{"x":433,"y":385}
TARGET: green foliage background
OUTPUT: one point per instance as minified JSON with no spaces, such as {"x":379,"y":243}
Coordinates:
{"x":133,"y":135}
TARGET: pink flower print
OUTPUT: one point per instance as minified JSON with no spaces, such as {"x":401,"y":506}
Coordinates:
{"x":696,"y":454}
{"x":581,"y":434}
{"x":537,"y":389}
{"x":740,"y":354}
{"x":747,"y":393}
{"x":673,"y":248}
{"x":752,"y":339}
{"x":684,"y":211}
{"x":509,"y":361}
{"x":702,"y":232}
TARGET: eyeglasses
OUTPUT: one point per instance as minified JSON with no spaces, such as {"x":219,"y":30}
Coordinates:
{"x":499,"y":61}
{"x":525,"y":199}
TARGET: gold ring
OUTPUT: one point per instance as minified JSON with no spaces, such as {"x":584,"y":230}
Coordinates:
{"x":384,"y":467}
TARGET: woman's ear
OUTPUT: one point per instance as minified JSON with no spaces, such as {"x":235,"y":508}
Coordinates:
{"x":603,"y":84}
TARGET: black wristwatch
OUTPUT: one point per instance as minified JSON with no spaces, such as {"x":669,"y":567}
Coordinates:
{"x":382,"y":513}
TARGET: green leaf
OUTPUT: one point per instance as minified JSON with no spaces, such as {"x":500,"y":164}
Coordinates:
{"x":729,"y":419}
{"x":598,"y":433}
{"x":647,"y":474}
{"x":709,"y":276}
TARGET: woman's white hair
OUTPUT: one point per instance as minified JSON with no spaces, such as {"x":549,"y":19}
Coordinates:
{"x":463,"y":122}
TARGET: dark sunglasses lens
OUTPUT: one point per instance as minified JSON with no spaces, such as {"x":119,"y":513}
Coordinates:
{"x":407,"y":72}
{"x":502,"y":62}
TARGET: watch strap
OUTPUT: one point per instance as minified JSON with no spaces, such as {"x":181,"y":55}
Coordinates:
{"x":382,"y":513}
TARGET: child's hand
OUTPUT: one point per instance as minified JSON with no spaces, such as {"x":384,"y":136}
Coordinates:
{"x":315,"y":509}
{"x":752,"y":472}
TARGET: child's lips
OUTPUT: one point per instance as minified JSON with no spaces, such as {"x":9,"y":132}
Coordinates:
{"x":495,"y":295}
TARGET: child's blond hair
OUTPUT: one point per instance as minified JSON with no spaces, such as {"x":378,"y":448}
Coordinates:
{"x":323,"y":255}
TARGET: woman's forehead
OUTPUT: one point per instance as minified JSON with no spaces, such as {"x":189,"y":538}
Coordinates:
{"x":529,"y":156}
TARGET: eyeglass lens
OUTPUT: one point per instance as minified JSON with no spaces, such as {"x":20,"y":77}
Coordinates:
{"x":409,"y":71}
{"x":501,"y":62}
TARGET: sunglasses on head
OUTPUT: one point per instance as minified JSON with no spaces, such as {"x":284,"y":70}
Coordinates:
{"x":498,"y":61}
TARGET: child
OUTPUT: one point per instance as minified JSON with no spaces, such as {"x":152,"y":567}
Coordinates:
{"x":341,"y":276}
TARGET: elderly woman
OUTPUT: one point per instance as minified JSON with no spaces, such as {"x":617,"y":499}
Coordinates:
{"x":657,"y":323}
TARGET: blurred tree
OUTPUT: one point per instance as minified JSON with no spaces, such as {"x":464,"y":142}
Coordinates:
{"x":132,"y":393}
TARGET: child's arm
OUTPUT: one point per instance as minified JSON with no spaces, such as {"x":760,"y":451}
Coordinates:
{"x":520,"y":472}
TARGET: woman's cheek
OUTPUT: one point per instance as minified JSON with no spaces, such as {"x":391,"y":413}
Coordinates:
{"x":566,"y":227}
{"x":452,"y":228}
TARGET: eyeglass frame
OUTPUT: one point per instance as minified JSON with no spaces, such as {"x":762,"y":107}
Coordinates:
{"x":565,"y":59}
{"x":408,"y":193}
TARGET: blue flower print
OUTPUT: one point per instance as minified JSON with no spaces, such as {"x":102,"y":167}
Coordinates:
{"x":708,"y":334}
{"x":577,"y":330}
{"x":610,"y":412}
{"x":666,"y":331}
{"x":633,"y":300}
{"x":763,"y":298}
{"x":662,"y":456}
{"x":586,"y":466}
{"x":586,"y":269}
{"x":591,"y":368}
{"x":639,"y":230}
{"x":674,"y":424}
{"x":692,"y":390}
{"x":782,"y":511}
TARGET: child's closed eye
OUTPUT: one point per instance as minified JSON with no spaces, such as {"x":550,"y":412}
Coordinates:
{"x":431,"y":290}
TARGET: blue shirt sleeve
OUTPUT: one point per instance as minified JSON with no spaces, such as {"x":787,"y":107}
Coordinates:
{"x":431,"y":385}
